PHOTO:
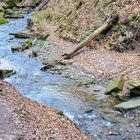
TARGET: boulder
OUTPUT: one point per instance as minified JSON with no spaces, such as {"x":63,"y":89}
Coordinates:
{"x":115,"y":85}
{"x":132,"y":103}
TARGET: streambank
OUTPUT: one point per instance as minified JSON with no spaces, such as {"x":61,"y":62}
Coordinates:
{"x":25,"y":119}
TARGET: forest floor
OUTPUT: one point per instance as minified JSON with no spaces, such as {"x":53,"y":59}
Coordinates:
{"x":109,"y":56}
{"x":23,"y":119}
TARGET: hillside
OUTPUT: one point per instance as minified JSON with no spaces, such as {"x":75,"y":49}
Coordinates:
{"x":71,"y":22}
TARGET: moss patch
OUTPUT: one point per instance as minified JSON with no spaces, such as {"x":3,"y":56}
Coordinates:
{"x":2,"y":19}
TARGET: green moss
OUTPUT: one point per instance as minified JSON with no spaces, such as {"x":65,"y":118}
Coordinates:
{"x":16,"y":48}
{"x":28,"y":43}
{"x":2,"y":19}
{"x":8,"y":11}
{"x":115,"y":85}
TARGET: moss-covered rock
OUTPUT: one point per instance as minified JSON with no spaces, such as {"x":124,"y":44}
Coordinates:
{"x":6,"y":73}
{"x":13,"y":14}
{"x":133,"y":103}
{"x":2,"y":19}
{"x":16,"y":48}
{"x":27,"y":43}
{"x":20,"y":35}
{"x":115,"y":86}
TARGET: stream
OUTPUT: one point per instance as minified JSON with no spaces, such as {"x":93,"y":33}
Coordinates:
{"x":54,"y":90}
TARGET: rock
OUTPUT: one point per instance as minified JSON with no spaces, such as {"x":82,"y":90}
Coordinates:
{"x":134,"y":88}
{"x":2,"y":19}
{"x":27,"y":43}
{"x":8,"y":13}
{"x":133,"y":103}
{"x":20,"y":35}
{"x":66,"y":62}
{"x":88,"y":111}
{"x":45,"y":61}
{"x":115,"y":86}
{"x":114,"y":94}
{"x":16,"y":48}
{"x":34,"y":53}
{"x":6,"y":73}
{"x":30,"y":23}
{"x":14,"y":16}
{"x":134,"y":83}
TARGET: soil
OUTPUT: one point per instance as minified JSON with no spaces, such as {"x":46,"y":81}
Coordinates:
{"x":24,"y":119}
{"x":98,"y":59}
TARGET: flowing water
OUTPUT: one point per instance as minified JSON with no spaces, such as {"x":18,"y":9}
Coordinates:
{"x":53,"y":90}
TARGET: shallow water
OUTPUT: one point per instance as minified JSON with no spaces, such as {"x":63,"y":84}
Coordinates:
{"x":53,"y":90}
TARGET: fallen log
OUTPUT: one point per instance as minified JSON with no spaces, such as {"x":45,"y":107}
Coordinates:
{"x":93,"y":35}
{"x":106,"y":26}
{"x":42,"y":5}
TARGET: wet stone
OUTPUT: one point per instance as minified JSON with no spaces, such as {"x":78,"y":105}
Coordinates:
{"x":6,"y":73}
{"x":133,"y":103}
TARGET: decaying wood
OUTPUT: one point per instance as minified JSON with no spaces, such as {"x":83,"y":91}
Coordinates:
{"x":42,"y":5}
{"x":93,"y":35}
{"x":107,"y":25}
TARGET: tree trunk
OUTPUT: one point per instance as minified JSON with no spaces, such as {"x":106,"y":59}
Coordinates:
{"x":93,"y":35}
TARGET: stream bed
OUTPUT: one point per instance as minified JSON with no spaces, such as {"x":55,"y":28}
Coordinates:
{"x":58,"y":92}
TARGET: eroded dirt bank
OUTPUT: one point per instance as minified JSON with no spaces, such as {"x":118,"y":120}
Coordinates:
{"x":22,"y":118}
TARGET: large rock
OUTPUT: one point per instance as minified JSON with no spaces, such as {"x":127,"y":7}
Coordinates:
{"x":133,"y":103}
{"x":115,"y":86}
